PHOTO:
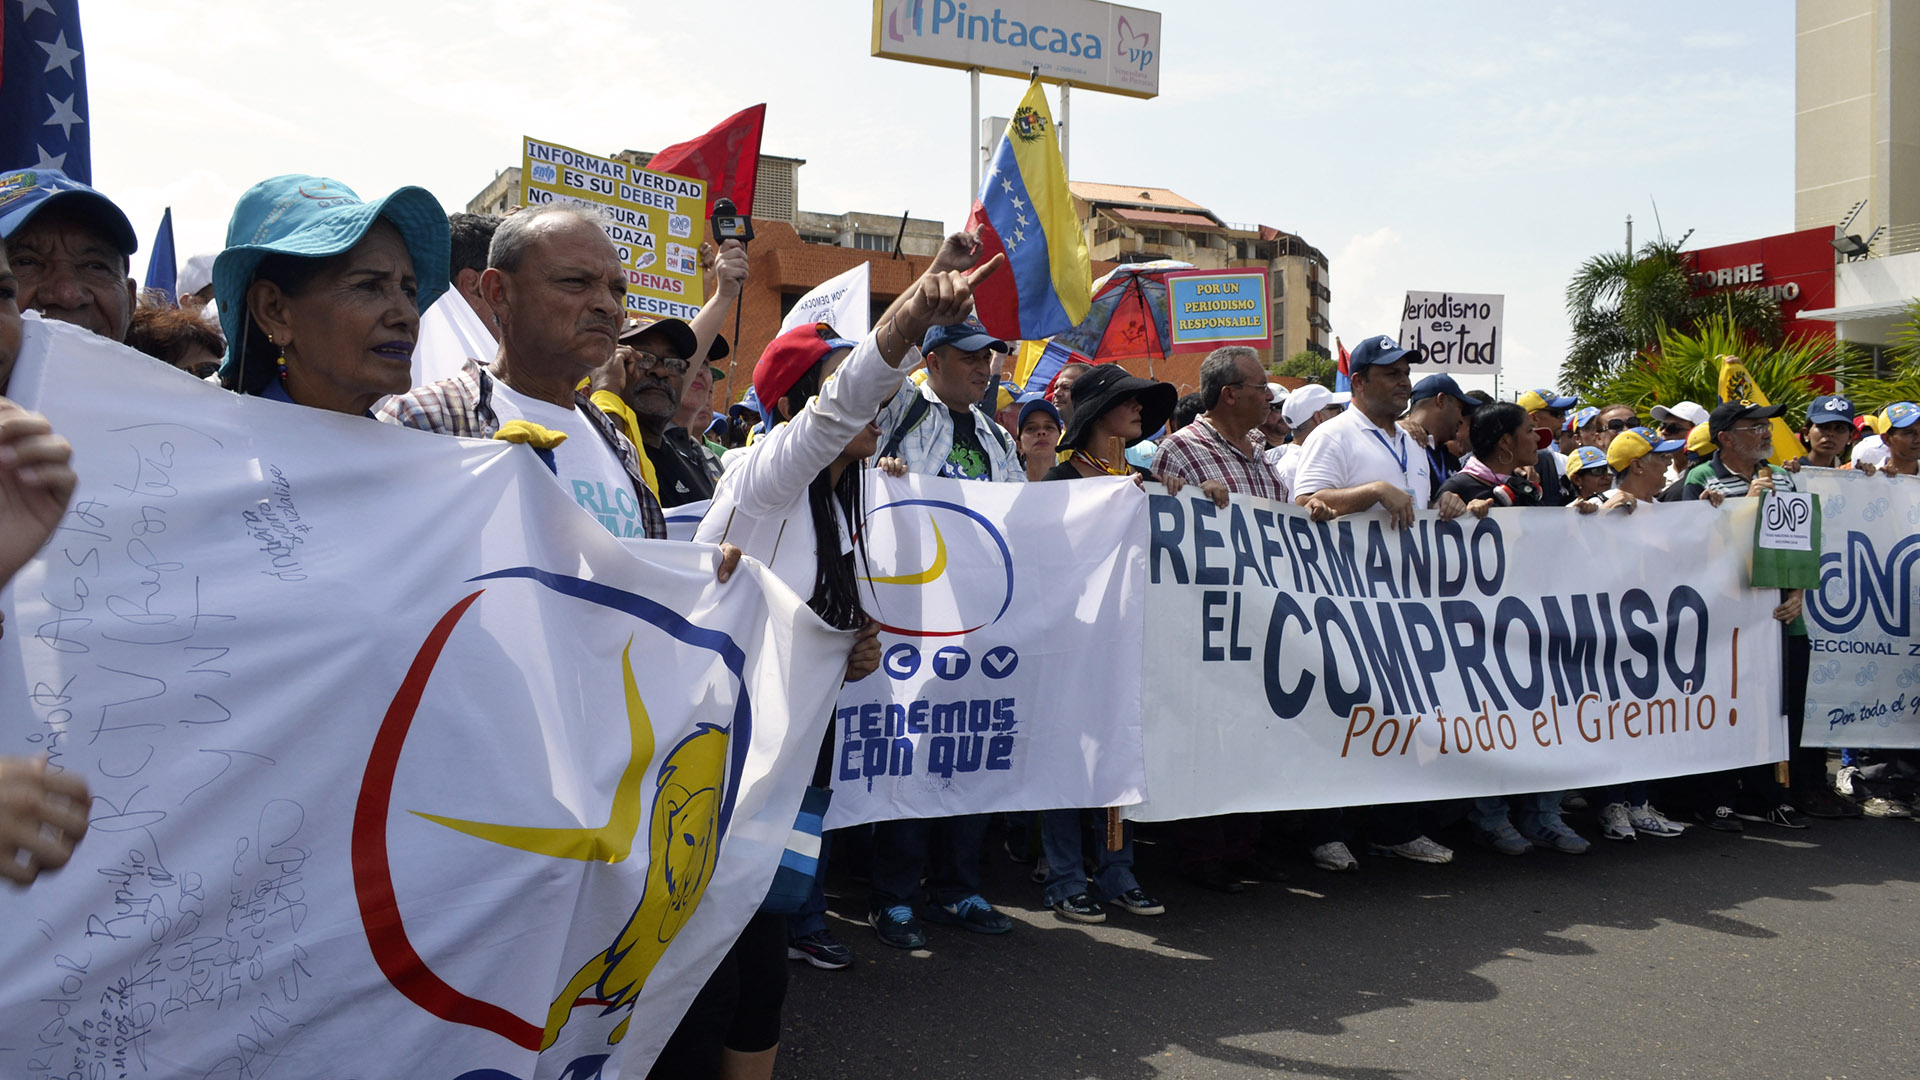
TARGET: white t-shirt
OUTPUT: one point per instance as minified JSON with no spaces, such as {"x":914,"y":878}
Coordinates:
{"x":1350,"y":450}
{"x":584,"y":465}
{"x":1871,"y":450}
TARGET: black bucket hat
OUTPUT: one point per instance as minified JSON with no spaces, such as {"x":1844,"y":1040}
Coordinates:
{"x":1103,"y":386}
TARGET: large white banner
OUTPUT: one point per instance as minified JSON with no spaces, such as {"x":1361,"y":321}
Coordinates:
{"x":1292,"y":665}
{"x":402,"y":765}
{"x":1863,"y":683}
{"x":1009,"y":677}
{"x":843,"y":302}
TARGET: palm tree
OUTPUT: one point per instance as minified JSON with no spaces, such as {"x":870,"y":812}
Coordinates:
{"x":1621,"y":307}
{"x":1686,"y":367}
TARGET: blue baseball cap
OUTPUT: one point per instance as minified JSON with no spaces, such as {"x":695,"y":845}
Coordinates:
{"x":1033,"y":403}
{"x":1437,"y":386}
{"x":1536,"y":400}
{"x":1898,"y":415}
{"x":966,"y":336}
{"x":719,"y":421}
{"x":26,"y":192}
{"x":314,"y":217}
{"x":1376,"y":350}
{"x":1584,"y":458}
{"x":749,"y":401}
{"x":1826,"y":410}
{"x":1582,"y":418}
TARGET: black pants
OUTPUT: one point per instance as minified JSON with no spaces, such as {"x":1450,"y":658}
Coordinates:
{"x":738,"y":1009}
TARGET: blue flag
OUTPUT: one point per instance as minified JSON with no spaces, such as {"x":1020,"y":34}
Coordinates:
{"x":43,"y":88}
{"x":161,"y":272}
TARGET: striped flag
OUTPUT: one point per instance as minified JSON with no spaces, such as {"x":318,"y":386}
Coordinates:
{"x":43,"y":88}
{"x":1025,"y":210}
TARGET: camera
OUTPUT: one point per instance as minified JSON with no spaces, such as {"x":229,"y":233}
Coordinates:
{"x":728,"y":223}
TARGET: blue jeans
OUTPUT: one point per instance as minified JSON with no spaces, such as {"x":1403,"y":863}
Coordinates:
{"x":1531,"y":811}
{"x":947,"y":849}
{"x":1061,"y":845}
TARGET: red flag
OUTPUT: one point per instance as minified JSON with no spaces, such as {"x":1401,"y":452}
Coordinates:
{"x":726,"y":157}
{"x":1340,"y":371}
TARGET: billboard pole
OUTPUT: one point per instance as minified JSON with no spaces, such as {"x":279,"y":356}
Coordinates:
{"x":973,"y":133}
{"x":1066,"y":90}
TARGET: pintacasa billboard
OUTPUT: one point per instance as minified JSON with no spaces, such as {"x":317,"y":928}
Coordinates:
{"x":1097,"y":46}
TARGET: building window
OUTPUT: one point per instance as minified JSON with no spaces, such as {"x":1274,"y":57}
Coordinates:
{"x":870,"y":242}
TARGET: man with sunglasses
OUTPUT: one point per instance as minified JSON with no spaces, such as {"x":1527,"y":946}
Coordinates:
{"x":648,"y":375}
{"x":1609,"y":423}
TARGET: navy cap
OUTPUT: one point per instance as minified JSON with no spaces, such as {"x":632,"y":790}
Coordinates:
{"x":1828,"y":409}
{"x":1033,"y":403}
{"x":1377,"y":350}
{"x":26,"y":192}
{"x":967,"y":337}
{"x":1441,"y":385}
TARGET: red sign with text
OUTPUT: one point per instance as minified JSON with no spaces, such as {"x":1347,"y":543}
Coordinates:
{"x":1796,"y":268}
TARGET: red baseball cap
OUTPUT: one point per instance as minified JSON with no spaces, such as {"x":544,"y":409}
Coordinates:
{"x":790,"y":356}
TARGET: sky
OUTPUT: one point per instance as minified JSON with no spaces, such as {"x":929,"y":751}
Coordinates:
{"x":1467,"y":146}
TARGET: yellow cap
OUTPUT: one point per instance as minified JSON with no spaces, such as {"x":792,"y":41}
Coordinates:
{"x":1700,"y":440}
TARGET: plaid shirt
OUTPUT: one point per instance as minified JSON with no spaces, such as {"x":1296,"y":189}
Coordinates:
{"x":1198,"y":453}
{"x":463,"y":406}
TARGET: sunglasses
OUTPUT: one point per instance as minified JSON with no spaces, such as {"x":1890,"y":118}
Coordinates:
{"x":1618,"y":424}
{"x":1676,"y":428}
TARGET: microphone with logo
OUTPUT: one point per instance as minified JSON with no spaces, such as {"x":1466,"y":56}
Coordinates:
{"x":726,"y":222}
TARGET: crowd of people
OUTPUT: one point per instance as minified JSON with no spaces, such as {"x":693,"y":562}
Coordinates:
{"x":318,"y":303}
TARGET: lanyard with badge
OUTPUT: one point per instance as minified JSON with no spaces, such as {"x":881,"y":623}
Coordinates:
{"x":1400,"y":458}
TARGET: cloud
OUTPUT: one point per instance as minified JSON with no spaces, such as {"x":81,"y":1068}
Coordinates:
{"x":1369,"y":284}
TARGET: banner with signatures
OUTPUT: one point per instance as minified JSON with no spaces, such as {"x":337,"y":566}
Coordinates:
{"x":386,"y":739}
{"x":1863,"y":681}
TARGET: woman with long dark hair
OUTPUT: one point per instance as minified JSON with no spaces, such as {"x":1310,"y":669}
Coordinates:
{"x":793,"y":502}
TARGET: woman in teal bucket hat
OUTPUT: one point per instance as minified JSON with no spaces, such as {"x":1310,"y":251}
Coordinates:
{"x":320,"y":293}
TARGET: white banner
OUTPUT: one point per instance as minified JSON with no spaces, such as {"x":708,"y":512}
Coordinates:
{"x":1458,"y":333}
{"x":387,"y":739}
{"x":684,"y":520}
{"x":843,"y":302}
{"x":1294,"y":665}
{"x":1863,"y":683}
{"x":451,"y":333}
{"x":1009,"y":677}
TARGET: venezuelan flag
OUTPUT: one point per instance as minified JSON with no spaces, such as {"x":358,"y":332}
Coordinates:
{"x":1025,"y":210}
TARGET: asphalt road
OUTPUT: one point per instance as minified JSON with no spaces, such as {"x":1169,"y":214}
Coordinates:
{"x":1773,"y":954}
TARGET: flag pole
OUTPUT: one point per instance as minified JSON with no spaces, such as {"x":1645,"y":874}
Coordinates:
{"x":976,"y":148}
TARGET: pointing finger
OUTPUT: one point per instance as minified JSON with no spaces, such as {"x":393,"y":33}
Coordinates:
{"x":975,"y":277}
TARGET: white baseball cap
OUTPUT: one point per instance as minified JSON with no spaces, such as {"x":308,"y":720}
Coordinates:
{"x":1310,"y":399}
{"x":1692,"y":412}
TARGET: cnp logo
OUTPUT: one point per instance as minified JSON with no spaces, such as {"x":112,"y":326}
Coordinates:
{"x":1860,"y":580}
{"x":935,"y":568}
{"x":670,"y":806}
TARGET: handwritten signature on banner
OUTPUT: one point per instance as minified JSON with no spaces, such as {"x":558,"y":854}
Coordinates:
{"x":202,"y":941}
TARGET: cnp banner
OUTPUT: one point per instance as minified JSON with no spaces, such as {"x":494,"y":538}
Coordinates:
{"x":1294,"y":664}
{"x":1863,"y":685}
{"x":1010,"y":674}
{"x":402,"y":765}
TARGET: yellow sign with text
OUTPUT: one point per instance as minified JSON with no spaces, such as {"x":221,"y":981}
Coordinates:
{"x":656,"y":220}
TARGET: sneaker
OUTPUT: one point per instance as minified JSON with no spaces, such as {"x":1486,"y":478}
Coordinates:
{"x":1212,"y":875}
{"x":1822,"y":803}
{"x":1138,"y":902}
{"x":821,"y":950}
{"x":1573,"y":800}
{"x":1255,"y":869}
{"x":1080,"y":908}
{"x":1844,"y":781}
{"x":1039,"y":874}
{"x":1650,"y":822}
{"x":1504,"y":839}
{"x":1616,"y":823}
{"x":1334,"y":856}
{"x":1875,"y":806}
{"x":1555,"y":834}
{"x":897,"y":927}
{"x":970,"y":913}
{"x":1418,"y":849}
{"x":1786,"y":817}
{"x":1720,"y":819}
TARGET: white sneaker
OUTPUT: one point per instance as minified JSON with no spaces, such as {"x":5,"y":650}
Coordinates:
{"x":1843,"y":783}
{"x":1418,"y":849}
{"x":1334,"y":856}
{"x":1615,"y":824}
{"x":1652,"y":822}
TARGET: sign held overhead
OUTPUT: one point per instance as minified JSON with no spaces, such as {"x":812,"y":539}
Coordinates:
{"x":1094,"y":45}
{"x":1458,"y":333}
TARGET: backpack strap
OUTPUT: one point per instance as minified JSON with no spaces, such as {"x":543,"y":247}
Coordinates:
{"x":916,"y":412}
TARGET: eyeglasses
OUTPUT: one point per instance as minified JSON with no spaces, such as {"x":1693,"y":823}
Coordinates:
{"x":648,"y":361}
{"x":1749,"y":429}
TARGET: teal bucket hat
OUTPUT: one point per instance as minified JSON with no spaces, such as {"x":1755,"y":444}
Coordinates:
{"x":314,"y":217}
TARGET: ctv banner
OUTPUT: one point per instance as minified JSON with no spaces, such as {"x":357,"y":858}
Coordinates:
{"x":401,"y":764}
{"x":1011,"y":636}
{"x":1293,"y":664}
{"x":1863,"y":685}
